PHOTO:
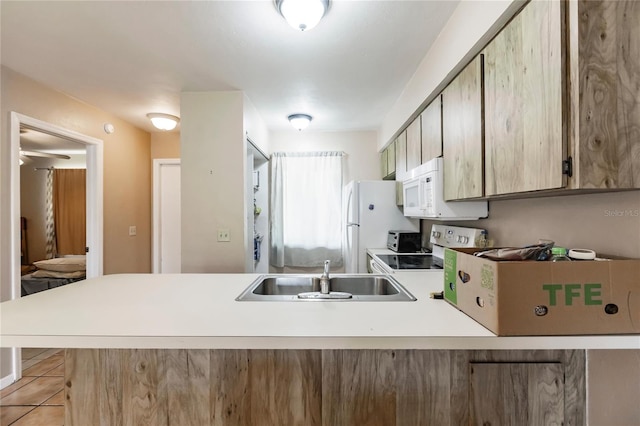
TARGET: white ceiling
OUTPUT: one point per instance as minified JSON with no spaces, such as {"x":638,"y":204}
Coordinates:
{"x":134,"y":57}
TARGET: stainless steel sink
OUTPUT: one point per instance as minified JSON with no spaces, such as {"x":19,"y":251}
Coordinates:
{"x":289,"y":287}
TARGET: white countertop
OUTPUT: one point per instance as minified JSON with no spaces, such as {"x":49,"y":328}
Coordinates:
{"x":200,"y":311}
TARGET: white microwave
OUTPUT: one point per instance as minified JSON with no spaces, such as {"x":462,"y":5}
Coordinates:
{"x":423,"y":193}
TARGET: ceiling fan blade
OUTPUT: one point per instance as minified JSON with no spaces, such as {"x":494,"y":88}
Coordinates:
{"x":44,"y":155}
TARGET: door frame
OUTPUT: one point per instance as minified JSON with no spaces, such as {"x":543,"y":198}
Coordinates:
{"x":156,"y":238}
{"x":94,"y":148}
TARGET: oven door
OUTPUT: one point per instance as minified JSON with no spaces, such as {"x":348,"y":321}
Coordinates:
{"x":378,"y":267}
{"x":403,"y":262}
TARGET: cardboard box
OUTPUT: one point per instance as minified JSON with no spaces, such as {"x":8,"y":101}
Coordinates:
{"x":530,"y":298}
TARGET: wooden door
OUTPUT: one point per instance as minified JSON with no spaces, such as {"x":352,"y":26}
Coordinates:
{"x":525,"y":142}
{"x":431,"y":139}
{"x":414,"y":144}
{"x":607,"y":92}
{"x":401,"y":156}
{"x":167,"y":254}
{"x":462,"y":134}
{"x":391,"y":158}
{"x":384,"y":158}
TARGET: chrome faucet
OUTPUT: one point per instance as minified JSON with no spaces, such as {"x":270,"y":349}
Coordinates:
{"x":324,"y":279}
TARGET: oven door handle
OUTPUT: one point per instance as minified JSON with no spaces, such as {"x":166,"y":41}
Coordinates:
{"x":375,"y":267}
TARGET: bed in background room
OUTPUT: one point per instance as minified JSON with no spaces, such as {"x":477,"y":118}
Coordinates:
{"x":58,"y":228}
{"x":53,"y":273}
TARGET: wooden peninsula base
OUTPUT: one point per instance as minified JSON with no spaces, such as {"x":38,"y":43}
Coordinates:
{"x":323,"y":387}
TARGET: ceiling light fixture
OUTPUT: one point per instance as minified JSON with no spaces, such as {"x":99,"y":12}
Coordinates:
{"x":163,"y":121}
{"x":302,"y":14}
{"x":300,"y":121}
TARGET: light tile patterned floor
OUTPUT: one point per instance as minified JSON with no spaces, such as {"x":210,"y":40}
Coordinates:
{"x":38,"y":397}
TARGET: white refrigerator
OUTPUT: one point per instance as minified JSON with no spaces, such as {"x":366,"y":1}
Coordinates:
{"x":370,"y":213}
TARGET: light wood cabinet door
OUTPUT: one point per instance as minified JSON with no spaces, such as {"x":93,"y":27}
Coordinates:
{"x":414,"y":144}
{"x":526,"y":394}
{"x":323,"y":387}
{"x":431,"y":119}
{"x":462,"y":134}
{"x":391,"y":158}
{"x":384,"y":158}
{"x":388,"y":162}
{"x":525,"y":143}
{"x":606,"y":95}
{"x":401,"y":156}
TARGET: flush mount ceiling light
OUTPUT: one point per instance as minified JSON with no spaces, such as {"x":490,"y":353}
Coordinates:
{"x":300,"y":121}
{"x":302,"y":14}
{"x":163,"y":121}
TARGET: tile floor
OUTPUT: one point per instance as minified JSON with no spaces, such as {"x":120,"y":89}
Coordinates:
{"x":37,"y":398}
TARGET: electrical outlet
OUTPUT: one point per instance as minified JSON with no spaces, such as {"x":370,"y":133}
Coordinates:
{"x":133,"y":231}
{"x":223,"y":235}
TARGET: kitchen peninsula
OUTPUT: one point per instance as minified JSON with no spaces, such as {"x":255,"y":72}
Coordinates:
{"x":178,"y":349}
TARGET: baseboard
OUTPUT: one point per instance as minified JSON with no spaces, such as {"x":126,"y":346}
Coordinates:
{"x":6,"y":381}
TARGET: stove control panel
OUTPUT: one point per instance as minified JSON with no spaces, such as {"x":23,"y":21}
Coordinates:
{"x":457,"y":236}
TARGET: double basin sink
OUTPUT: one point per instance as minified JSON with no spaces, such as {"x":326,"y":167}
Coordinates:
{"x":290,"y":287}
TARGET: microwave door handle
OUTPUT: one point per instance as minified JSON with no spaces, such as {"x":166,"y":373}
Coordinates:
{"x":421,"y":200}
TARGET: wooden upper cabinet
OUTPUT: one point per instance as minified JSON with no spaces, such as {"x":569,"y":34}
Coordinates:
{"x":414,"y":144}
{"x":605,"y":100}
{"x":388,"y":161}
{"x":391,"y":158}
{"x":525,"y":143}
{"x":462,"y":134}
{"x":384,"y":158}
{"x":431,"y":119}
{"x":401,"y":156}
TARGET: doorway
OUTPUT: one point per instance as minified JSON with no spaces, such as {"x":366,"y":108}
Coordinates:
{"x":94,"y":208}
{"x":166,"y":245}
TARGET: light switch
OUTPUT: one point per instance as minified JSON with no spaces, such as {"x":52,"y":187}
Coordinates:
{"x":223,"y":235}
{"x":133,"y":231}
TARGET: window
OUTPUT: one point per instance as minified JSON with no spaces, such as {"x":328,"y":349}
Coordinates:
{"x":306,"y":208}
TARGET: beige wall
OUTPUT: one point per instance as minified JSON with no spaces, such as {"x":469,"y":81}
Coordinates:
{"x":32,"y":207}
{"x":127,"y":175}
{"x":165,"y":145}
{"x":363,"y":160}
{"x":212,"y":146}
{"x":127,"y":169}
{"x":583,"y":221}
{"x":254,"y":127}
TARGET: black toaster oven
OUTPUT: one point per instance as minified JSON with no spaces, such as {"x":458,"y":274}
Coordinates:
{"x":404,"y":241}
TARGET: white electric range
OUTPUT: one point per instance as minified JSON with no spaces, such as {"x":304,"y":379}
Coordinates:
{"x":385,"y":261}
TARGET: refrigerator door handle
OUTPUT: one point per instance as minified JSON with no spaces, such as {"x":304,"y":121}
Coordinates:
{"x":352,"y":224}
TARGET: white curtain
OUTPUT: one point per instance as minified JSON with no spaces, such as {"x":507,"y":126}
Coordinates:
{"x":306,"y":206}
